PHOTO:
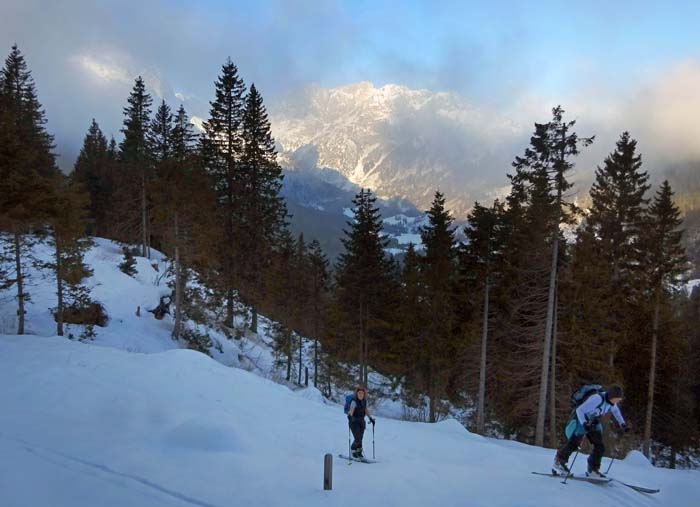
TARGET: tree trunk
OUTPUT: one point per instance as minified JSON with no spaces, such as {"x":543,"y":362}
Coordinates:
{"x":229,"y":308}
{"x":254,"y":320}
{"x":144,"y":218}
{"x":316,"y":363}
{"x":20,"y":283}
{"x":59,"y":287}
{"x":546,"y":348}
{"x":646,"y":446}
{"x":301,"y":345}
{"x":289,"y":355}
{"x":482,"y":367}
{"x":553,"y":380}
{"x":362,"y":344}
{"x":177,"y":329}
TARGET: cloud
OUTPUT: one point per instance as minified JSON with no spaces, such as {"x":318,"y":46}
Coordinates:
{"x":106,"y":71}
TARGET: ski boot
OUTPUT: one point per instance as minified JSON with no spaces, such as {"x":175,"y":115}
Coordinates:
{"x":595,"y":473}
{"x":559,"y":467}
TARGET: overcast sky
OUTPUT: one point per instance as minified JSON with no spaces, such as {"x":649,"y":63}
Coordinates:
{"x":613,"y":65}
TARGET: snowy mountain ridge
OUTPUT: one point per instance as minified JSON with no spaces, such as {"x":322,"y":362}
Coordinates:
{"x":398,"y":141}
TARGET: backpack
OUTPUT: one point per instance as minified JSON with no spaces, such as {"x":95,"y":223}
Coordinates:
{"x":582,"y":393}
{"x":348,"y":401}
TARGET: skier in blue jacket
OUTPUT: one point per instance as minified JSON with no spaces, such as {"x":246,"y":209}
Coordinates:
{"x":585,"y":422}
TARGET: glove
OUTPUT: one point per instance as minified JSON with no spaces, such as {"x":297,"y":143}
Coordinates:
{"x":591,"y":425}
{"x":371,"y":419}
{"x":624,"y":428}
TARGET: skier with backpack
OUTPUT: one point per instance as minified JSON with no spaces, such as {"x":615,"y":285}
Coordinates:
{"x":591,"y":402}
{"x":356,"y":409}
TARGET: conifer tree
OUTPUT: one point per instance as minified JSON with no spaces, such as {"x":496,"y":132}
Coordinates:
{"x":365,"y":292}
{"x":160,"y":133}
{"x":222,"y":146}
{"x":137,"y":158}
{"x":182,"y":135}
{"x":438,"y":270}
{"x":412,"y":329}
{"x":184,"y":211}
{"x":93,"y":170}
{"x":128,"y":264}
{"x":318,"y":293}
{"x":262,"y":211}
{"x":663,"y":263}
{"x":614,"y":223}
{"x":552,"y":147}
{"x":70,"y":205}
{"x":478,"y":259}
{"x":26,"y":166}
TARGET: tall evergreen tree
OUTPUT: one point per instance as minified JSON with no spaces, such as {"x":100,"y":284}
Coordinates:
{"x":438,"y":270}
{"x":137,"y":157}
{"x":478,"y":260}
{"x":222,"y":145}
{"x":663,"y":263}
{"x":68,"y":219}
{"x":262,"y":211}
{"x":318,"y":293}
{"x":26,"y":166}
{"x":93,"y":170}
{"x":160,"y":133}
{"x":614,"y":223}
{"x":182,"y":135}
{"x":365,"y":290}
{"x":552,"y":147}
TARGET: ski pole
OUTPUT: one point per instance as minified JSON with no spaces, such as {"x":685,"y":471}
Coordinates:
{"x":610,"y":465}
{"x":373,"y":441}
{"x":349,"y":450}
{"x":572,"y":466}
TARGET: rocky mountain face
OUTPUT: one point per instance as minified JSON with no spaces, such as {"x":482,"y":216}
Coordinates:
{"x":399,"y":142}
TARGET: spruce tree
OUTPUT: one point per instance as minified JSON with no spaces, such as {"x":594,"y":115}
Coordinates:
{"x":318,"y":293}
{"x":478,"y":263}
{"x":614,"y":223}
{"x":137,"y":158}
{"x":26,"y":166}
{"x":261,"y":210}
{"x":160,"y":133}
{"x":664,"y":261}
{"x":221,"y":148}
{"x":365,"y":293}
{"x":68,"y":219}
{"x":552,"y":147}
{"x":128,"y":264}
{"x":93,"y":170}
{"x":182,"y":136}
{"x":438,"y":270}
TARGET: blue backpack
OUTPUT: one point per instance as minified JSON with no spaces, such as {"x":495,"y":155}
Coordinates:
{"x":348,"y":401}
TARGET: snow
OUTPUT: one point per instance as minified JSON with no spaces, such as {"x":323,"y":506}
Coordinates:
{"x":691,"y":284}
{"x":132,"y":419}
{"x":89,"y":425}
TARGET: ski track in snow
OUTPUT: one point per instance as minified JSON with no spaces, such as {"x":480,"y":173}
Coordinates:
{"x":49,"y":456}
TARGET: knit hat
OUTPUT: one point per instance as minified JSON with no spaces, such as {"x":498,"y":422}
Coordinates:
{"x":614,"y":391}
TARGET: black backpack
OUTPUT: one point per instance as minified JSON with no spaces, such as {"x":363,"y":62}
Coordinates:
{"x":584,"y":392}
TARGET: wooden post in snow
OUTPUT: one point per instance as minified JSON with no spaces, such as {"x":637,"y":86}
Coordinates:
{"x":328,"y":472}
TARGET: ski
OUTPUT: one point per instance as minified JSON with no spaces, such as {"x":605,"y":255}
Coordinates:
{"x":640,"y":489}
{"x":360,"y":460}
{"x":576,"y":478}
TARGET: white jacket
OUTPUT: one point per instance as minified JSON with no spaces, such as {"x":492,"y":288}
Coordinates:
{"x":596,"y":406}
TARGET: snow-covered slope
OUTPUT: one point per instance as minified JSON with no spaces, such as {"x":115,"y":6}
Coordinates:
{"x":132,"y":419}
{"x":86,"y":425}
